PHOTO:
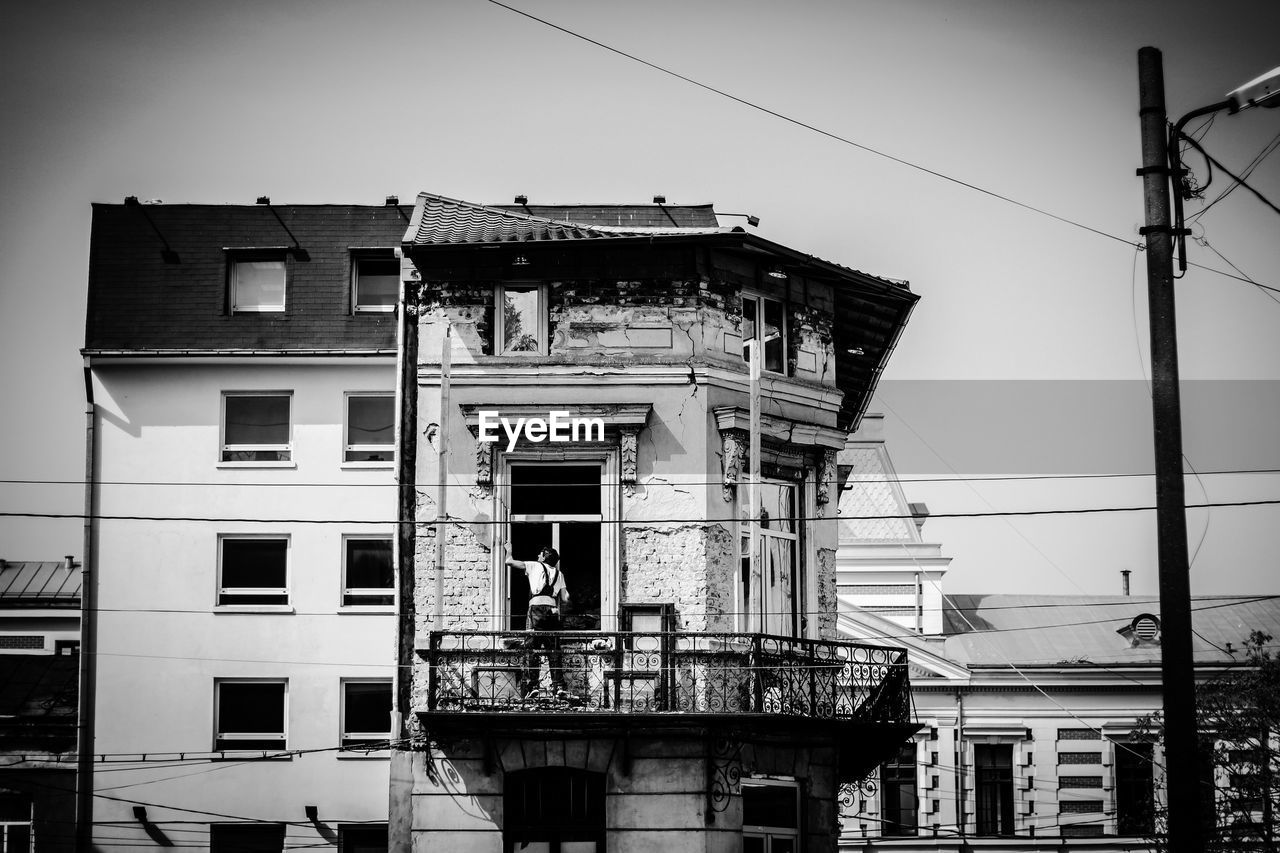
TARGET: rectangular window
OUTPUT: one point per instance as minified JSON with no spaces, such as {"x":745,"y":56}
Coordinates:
{"x":1135,"y":789}
{"x":375,"y":282}
{"x":362,"y":838}
{"x":368,"y":577}
{"x":899,"y":798}
{"x":253,"y":570}
{"x":257,"y":284}
{"x":774,"y":595}
{"x":1079,"y":734}
{"x":366,"y":713}
{"x":255,"y":427}
{"x":15,"y":823}
{"x":993,"y":766}
{"x":770,"y":817}
{"x":370,"y":429}
{"x":773,"y":357}
{"x":246,"y":838}
{"x":250,"y":714}
{"x":521,"y":319}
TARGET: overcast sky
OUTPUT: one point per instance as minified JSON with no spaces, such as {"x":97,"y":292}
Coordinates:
{"x":1037,"y":101}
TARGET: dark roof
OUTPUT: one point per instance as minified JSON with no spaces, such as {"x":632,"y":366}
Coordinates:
{"x":1051,"y":629}
{"x":158,"y":277}
{"x":438,"y":220}
{"x":38,"y":701}
{"x":39,"y":584}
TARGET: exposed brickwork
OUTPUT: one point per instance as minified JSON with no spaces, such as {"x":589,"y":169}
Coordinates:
{"x":827,"y":604}
{"x":690,"y":566}
{"x":138,"y":301}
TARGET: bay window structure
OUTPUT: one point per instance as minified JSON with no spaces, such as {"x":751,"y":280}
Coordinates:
{"x":368,"y":576}
{"x":375,"y":281}
{"x":369,"y":434}
{"x":765,"y":318}
{"x":250,"y":714}
{"x":993,"y":770}
{"x":521,"y":319}
{"x":257,"y":283}
{"x":366,"y":713}
{"x":253,"y":570}
{"x":256,"y":427}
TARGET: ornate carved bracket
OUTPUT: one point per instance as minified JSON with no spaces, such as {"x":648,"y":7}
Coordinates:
{"x":627,"y":442}
{"x":484,"y":467}
{"x":733,"y":446}
{"x":827,"y":476}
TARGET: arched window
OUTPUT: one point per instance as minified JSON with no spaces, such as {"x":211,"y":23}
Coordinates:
{"x":553,"y":810}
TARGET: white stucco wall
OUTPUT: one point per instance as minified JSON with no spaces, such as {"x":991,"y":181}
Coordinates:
{"x":161,"y":643}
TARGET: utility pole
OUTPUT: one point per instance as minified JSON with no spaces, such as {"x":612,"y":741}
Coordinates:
{"x":1185,"y":831}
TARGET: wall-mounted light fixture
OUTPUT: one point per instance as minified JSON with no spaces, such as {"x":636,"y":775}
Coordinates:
{"x":752,"y":220}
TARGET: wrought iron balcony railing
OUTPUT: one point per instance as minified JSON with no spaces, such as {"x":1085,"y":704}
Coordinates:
{"x":664,"y":673}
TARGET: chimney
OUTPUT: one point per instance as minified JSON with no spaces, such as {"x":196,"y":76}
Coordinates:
{"x":1124,"y":579}
{"x":68,"y":562}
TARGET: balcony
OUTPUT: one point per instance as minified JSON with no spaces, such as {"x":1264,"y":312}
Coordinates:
{"x":666,"y":675}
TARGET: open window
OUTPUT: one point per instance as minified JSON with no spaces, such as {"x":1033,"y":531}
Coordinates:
{"x":375,"y":281}
{"x":366,"y":713}
{"x":767,"y":315}
{"x":369,"y":434}
{"x":773,"y":594}
{"x":368,"y":577}
{"x":560,"y":504}
{"x":255,"y":427}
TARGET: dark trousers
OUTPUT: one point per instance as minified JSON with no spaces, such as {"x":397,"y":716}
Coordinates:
{"x":542,"y":618}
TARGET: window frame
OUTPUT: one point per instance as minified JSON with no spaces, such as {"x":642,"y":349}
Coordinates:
{"x":767,"y":832}
{"x":356,"y":744}
{"x":1001,"y":813}
{"x":224,"y":448}
{"x":348,"y":447}
{"x":366,"y":591}
{"x":894,"y":776}
{"x":349,"y":835}
{"x":760,"y":299}
{"x":1134,"y":791}
{"x":235,"y":259}
{"x":219,"y":736}
{"x":499,"y":315}
{"x":232,"y":606}
{"x":6,"y":825}
{"x":370,"y":254}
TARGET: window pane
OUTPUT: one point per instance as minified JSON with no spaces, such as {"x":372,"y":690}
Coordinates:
{"x":773,"y":348}
{"x":14,"y":807}
{"x":259,"y":285}
{"x":246,"y":839}
{"x":255,"y":563}
{"x":520,"y":319}
{"x":769,"y":805}
{"x":368,"y":708}
{"x":369,"y":564}
{"x":257,"y":419}
{"x":377,"y":282}
{"x":370,"y":421}
{"x":251,"y":715}
{"x":555,"y":489}
{"x":17,"y":838}
{"x":363,"y":839}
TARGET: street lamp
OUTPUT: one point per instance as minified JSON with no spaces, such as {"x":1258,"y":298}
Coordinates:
{"x":1160,"y":163}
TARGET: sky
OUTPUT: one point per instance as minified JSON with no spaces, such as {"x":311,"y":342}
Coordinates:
{"x":1026,"y":356}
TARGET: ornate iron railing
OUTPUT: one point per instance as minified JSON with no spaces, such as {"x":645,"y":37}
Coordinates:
{"x":673,"y":673}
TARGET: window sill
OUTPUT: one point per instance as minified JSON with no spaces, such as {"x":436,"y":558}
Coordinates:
{"x":367,"y":610}
{"x":253,"y":608}
{"x":257,"y":465}
{"x":388,"y":465}
{"x":252,"y":755}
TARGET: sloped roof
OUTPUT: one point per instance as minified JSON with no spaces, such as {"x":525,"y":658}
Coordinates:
{"x":438,"y":220}
{"x":39,"y":584}
{"x":38,"y":702}
{"x":623,"y":215}
{"x":1062,"y":629}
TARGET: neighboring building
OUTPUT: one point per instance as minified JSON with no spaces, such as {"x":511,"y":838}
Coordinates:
{"x":241,"y":369}
{"x":1028,"y":702}
{"x":709,"y":706}
{"x":39,"y":672}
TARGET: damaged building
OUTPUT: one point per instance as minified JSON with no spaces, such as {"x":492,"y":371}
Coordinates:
{"x":698,"y":697}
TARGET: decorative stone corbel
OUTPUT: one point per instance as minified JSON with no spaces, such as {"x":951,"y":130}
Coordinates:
{"x":484,"y":467}
{"x":627,"y":444}
{"x":827,"y":474}
{"x":733,"y":445}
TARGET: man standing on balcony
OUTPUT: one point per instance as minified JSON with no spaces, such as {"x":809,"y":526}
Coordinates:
{"x":547,"y":595}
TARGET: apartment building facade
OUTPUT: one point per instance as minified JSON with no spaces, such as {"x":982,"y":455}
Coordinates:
{"x":240,"y":367}
{"x":1031,"y":706}
{"x":580,"y":379}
